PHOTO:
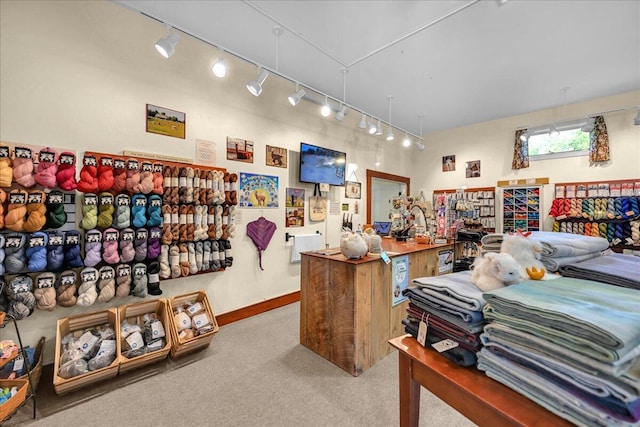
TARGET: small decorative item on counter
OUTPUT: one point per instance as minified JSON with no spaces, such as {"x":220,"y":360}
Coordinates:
{"x":353,"y":246}
{"x":424,"y":238}
{"x":375,"y":244}
{"x":87,"y":350}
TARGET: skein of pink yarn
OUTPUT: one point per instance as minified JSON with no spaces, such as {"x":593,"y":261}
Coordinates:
{"x":133,"y":175}
{"x":110,"y":253}
{"x":47,"y":168}
{"x":23,"y":167}
{"x":145,"y":186}
{"x":66,"y":175}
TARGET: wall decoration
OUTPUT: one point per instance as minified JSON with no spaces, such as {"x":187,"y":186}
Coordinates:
{"x":276,"y":156}
{"x":345,"y":207}
{"x":473,"y":169}
{"x":448,"y":163}
{"x":258,"y":191}
{"x":294,"y":216}
{"x":400,"y":269}
{"x":164,"y":121}
{"x":240,"y":150}
{"x":352,"y":190}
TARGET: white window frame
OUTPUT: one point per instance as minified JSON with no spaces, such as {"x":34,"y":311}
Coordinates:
{"x":574,"y":124}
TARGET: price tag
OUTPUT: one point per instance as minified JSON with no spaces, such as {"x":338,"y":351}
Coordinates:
{"x":46,"y":156}
{"x":444,"y":345}
{"x":55,"y":197}
{"x":119,"y":164}
{"x":4,"y":151}
{"x":22,"y":152}
{"x":106,"y":161}
{"x":127,"y":235}
{"x":385,"y":257}
{"x":123,"y":200}
{"x":67,"y":159}
{"x":106,"y":200}
{"x":89,"y":161}
{"x":90,"y":199}
{"x":147,"y":167}
{"x":111,"y":236}
{"x":18,"y":364}
{"x":133,"y":165}
{"x":422,"y":330}
{"x":158,"y":167}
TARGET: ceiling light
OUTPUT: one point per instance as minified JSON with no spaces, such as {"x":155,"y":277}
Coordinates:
{"x":295,"y":97}
{"x":363,"y":122}
{"x":588,"y":126}
{"x":420,"y":146}
{"x":390,"y":134}
{"x":406,"y":141}
{"x":166,"y":46}
{"x":636,"y":121}
{"x":379,"y":128}
{"x":255,"y":86}
{"x":340,"y":114}
{"x":553,"y":132}
{"x":372,"y":127}
{"x":220,"y":67}
{"x":325,"y":110}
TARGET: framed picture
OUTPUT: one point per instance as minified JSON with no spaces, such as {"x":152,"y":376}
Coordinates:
{"x":276,"y":156}
{"x":240,"y":150}
{"x":352,"y":190}
{"x":473,"y":169}
{"x":448,"y":163}
{"x":294,"y":216}
{"x":164,"y":121}
{"x":258,"y":191}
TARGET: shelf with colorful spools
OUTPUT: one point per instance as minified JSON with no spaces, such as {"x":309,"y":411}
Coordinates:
{"x":608,"y":209}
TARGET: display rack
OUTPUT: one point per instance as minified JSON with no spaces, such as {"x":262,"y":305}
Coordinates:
{"x":521,"y":209}
{"x":474,"y":207}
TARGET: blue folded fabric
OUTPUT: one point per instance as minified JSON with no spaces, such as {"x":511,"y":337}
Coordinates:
{"x":557,"y":245}
{"x":454,"y":289}
{"x":472,"y":317}
{"x":416,"y":297}
{"x":614,"y":269}
{"x":554,"y":264}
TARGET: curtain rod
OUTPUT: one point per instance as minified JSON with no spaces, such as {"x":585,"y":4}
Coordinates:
{"x":615,"y":110}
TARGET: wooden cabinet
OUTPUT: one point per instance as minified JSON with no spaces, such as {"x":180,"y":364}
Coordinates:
{"x":346,"y":314}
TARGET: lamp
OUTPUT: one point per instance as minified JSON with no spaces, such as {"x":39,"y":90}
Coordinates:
{"x":588,"y":126}
{"x":553,"y":132}
{"x":372,"y":127}
{"x":363,"y":122}
{"x":295,"y":97}
{"x":390,"y":133}
{"x":219,"y":68}
{"x":406,"y":141}
{"x":636,"y":121}
{"x":340,"y":114}
{"x":166,"y":46}
{"x":255,"y":86}
{"x":420,"y":146}
{"x":325,"y":110}
{"x":379,"y":128}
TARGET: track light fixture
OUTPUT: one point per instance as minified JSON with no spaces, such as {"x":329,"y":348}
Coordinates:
{"x":295,"y":97}
{"x":220,"y":67}
{"x":363,"y":121}
{"x":588,"y":126}
{"x":340,"y":114}
{"x":636,"y":121}
{"x":166,"y":46}
{"x":372,"y":127}
{"x":255,"y":86}
{"x":553,"y":132}
{"x":379,"y":128}
{"x":390,"y":135}
{"x":420,"y":146}
{"x":406,"y":142}
{"x":325,"y":110}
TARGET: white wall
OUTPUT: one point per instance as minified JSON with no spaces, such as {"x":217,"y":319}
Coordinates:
{"x":78,"y":75}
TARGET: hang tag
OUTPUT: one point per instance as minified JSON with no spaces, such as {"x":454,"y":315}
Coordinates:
{"x":133,"y":165}
{"x":141,"y":201}
{"x":89,"y":276}
{"x":135,"y":341}
{"x":140,"y":270}
{"x":89,"y":161}
{"x":68,"y":278}
{"x":385,"y":257}
{"x":119,"y":164}
{"x":157,"y":330}
{"x":422,"y":333}
{"x":156,"y":233}
{"x":156,"y":202}
{"x":141,"y":234}
{"x":158,"y":167}
{"x":72,"y":239}
{"x":147,"y":167}
{"x":106,"y":200}
{"x":126,"y":235}
{"x":22,"y":152}
{"x":18,"y":363}
{"x":86,"y":342}
{"x":44,"y":282}
{"x":107,"y":347}
{"x":123,"y":200}
{"x":17,"y":198}
{"x":4,"y":151}
{"x":67,"y":159}
{"x":444,"y":345}
{"x":106,"y":161}
{"x":46,"y":156}
{"x":55,"y":197}
{"x":90,"y":199}
{"x":36,"y":241}
{"x":93,"y":237}
{"x":107,"y":273}
{"x":111,"y":236}
{"x":55,"y":239}
{"x":124,"y":271}
{"x":13,"y":242}
{"x":35,"y":197}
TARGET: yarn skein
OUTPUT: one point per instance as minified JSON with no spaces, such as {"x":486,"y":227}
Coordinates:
{"x":196,"y":186}
{"x":119,"y":176}
{"x":23,"y":167}
{"x":88,"y":182}
{"x":72,"y":258}
{"x":67,"y":288}
{"x":166,"y":183}
{"x":16,"y":210}
{"x":127,"y":251}
{"x":145,"y":185}
{"x":105,"y":210}
{"x":110,"y":253}
{"x":133,"y":175}
{"x":206,"y":258}
{"x":165,"y":269}
{"x":193,"y":267}
{"x":47,"y":168}
{"x":6,"y":166}
{"x":56,"y":215}
{"x":184,"y":260}
{"x":167,"y":236}
{"x":55,"y":251}
{"x":105,"y":174}
{"x":203,"y":187}
{"x":153,"y":244}
{"x":106,"y":284}
{"x":22,"y":301}
{"x":2,"y":255}
{"x":154,"y":211}
{"x":66,"y":174}
{"x":3,"y":201}
{"x":215,"y":255}
{"x":89,"y":211}
{"x":174,"y":261}
{"x":36,"y":212}
{"x":199,"y":255}
{"x":175,"y":199}
{"x":45,"y":292}
{"x":153,"y":279}
{"x":123,"y":280}
{"x":140,"y":244}
{"x":14,"y":251}
{"x":138,"y":210}
{"x":175,"y":223}
{"x":87,"y":292}
{"x":92,"y":248}
{"x":182,"y":186}
{"x":158,"y":179}
{"x":122,"y":215}
{"x":139,"y":283}
{"x":36,"y":251}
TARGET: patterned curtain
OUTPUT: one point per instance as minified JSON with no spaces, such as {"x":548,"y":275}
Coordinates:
{"x":520,"y":152}
{"x":599,"y":141}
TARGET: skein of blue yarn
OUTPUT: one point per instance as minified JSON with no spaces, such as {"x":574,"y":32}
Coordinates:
{"x":72,"y":257}
{"x":2,"y":254}
{"x":138,"y":210}
{"x":14,"y":260}
{"x":37,"y":251}
{"x":154,"y":211}
{"x":55,"y":251}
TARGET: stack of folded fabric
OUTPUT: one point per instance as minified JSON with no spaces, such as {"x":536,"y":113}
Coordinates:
{"x":614,"y":269}
{"x":571,"y":345}
{"x":452,"y":308}
{"x":558,"y":249}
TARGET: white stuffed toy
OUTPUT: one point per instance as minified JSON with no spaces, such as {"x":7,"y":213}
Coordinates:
{"x":525,"y":250}
{"x":353,"y":246}
{"x":495,"y":270}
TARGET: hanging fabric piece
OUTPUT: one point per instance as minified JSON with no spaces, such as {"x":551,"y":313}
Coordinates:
{"x":599,"y":141}
{"x":260,"y":232}
{"x":520,"y":152}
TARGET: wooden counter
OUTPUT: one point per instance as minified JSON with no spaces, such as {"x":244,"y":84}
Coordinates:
{"x":345,"y":305}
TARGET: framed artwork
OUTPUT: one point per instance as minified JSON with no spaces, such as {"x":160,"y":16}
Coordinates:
{"x":240,"y":150}
{"x":258,"y":191}
{"x":448,"y":163}
{"x":352,"y":190}
{"x":345,"y":207}
{"x":294,"y":213}
{"x":473,"y":169}
{"x":276,"y":156}
{"x":164,"y":121}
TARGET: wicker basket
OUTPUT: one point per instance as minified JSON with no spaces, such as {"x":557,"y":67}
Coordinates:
{"x":36,"y":370}
{"x":10,"y":406}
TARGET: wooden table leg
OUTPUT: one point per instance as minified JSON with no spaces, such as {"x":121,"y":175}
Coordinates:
{"x":409,"y":393}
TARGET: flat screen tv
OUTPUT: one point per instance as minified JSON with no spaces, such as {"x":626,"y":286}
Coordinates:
{"x":320,"y":165}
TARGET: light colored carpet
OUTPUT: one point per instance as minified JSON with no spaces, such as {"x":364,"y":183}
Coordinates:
{"x":255,"y":373}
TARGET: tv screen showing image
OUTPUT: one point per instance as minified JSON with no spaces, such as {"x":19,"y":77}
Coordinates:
{"x":320,"y":165}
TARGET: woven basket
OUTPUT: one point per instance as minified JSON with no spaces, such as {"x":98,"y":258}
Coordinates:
{"x":10,"y":406}
{"x":36,"y":370}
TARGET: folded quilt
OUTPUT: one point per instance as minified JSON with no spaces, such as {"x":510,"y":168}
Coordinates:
{"x":492,"y":242}
{"x":436,"y":321}
{"x":466,"y":315}
{"x":556,"y":245}
{"x":615,"y":269}
{"x":546,"y":393}
{"x":459,"y":355}
{"x":554,"y":264}
{"x":594,"y":319}
{"x":455,"y":290}
{"x":416,"y":298}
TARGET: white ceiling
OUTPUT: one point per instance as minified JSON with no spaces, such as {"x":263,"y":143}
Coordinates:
{"x":490,"y":59}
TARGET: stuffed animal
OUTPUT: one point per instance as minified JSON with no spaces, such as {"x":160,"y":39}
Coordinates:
{"x":524,"y":249}
{"x":353,"y":246}
{"x":495,"y":270}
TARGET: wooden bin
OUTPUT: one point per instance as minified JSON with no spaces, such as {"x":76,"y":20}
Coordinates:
{"x":84,"y":321}
{"x":10,"y":406}
{"x":159,"y":307}
{"x":181,"y":347}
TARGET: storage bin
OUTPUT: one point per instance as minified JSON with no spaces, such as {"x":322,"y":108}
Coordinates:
{"x":10,"y":406}
{"x":180,"y":347}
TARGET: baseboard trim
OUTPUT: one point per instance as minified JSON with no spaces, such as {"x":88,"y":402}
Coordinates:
{"x":261,"y":307}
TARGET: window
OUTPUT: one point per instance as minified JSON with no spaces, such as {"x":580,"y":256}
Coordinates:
{"x":570,"y":142}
